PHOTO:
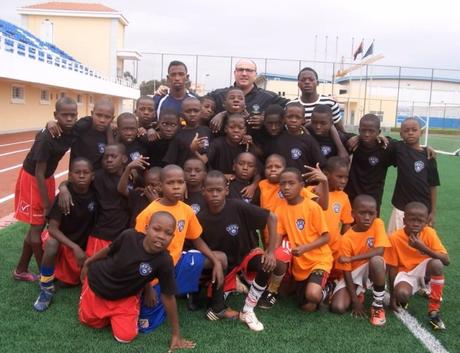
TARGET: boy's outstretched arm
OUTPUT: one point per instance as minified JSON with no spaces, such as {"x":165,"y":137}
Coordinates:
{"x":357,"y":308}
{"x":364,"y":256}
{"x":269,"y":260}
{"x":341,"y":150}
{"x":318,"y":242}
{"x":101,"y":254}
{"x":177,"y":342}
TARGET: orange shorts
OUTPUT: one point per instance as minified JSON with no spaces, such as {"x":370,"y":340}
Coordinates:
{"x":66,"y":268}
{"x":28,"y":205}
{"x":94,"y":245}
{"x":121,"y":314}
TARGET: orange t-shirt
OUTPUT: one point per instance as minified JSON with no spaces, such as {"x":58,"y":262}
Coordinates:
{"x":304,"y":223}
{"x":337,"y":213}
{"x":187,"y":226}
{"x":356,"y":243}
{"x":405,"y":257}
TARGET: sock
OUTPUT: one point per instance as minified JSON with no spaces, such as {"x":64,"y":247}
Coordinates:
{"x":435,"y":297}
{"x":255,"y":292}
{"x":275,"y":282}
{"x":378,"y":293}
{"x":47,"y":277}
{"x":217,"y":299}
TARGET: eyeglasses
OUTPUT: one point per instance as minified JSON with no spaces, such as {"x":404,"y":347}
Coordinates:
{"x":242,"y":69}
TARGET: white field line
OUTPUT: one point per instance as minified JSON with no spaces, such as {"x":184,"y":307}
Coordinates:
{"x":16,"y":143}
{"x":10,"y":168}
{"x":425,"y":337}
{"x":11,"y":196}
{"x":14,"y":152}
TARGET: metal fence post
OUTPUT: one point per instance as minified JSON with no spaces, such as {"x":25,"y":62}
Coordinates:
{"x":397,"y":97}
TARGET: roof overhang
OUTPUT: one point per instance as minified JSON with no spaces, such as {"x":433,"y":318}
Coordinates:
{"x":129,"y":55}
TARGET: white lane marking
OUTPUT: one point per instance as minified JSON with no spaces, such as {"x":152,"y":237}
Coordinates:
{"x":14,"y":152}
{"x":16,"y":143}
{"x":427,"y":339}
{"x":11,"y":196}
{"x":10,"y":168}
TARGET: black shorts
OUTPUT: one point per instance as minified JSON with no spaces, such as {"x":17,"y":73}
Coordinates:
{"x":317,"y":276}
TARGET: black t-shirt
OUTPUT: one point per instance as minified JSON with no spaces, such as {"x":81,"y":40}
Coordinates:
{"x":232,"y":230}
{"x":326,"y":143}
{"x":156,"y":151}
{"x":298,"y":150}
{"x":416,"y":174}
{"x":221,"y":154}
{"x":113,"y":214}
{"x":368,"y":171}
{"x":235,"y":188}
{"x":256,"y":99}
{"x":47,"y":149}
{"x":179,"y":148}
{"x":196,"y":201}
{"x":137,"y":202}
{"x":89,"y":143}
{"x":134,"y":150}
{"x":128,"y":268}
{"x":77,"y":225}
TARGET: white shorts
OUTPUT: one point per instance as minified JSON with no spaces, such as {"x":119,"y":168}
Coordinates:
{"x":396,"y":221}
{"x":360,"y":276}
{"x":415,"y":278}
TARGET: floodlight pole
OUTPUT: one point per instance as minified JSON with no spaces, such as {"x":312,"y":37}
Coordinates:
{"x":427,"y":124}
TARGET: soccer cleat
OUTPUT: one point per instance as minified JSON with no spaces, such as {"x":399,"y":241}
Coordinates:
{"x":250,"y":319}
{"x":377,"y":316}
{"x":25,"y":276}
{"x":436,"y":321}
{"x":327,"y":292}
{"x":226,"y":313}
{"x":43,"y":301}
{"x":267,"y":300}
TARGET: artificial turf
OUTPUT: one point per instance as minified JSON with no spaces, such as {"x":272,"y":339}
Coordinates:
{"x":286,"y":328}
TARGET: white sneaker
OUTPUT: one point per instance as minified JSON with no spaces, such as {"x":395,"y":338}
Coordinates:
{"x":250,"y":319}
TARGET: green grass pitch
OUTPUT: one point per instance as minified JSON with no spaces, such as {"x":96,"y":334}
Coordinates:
{"x":286,"y":328}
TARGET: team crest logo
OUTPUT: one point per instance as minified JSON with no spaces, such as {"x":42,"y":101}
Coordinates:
{"x":101,"y":147}
{"x":370,"y":242}
{"x":91,"y":207}
{"x":196,"y":208}
{"x":135,"y":156}
{"x":373,"y":161}
{"x":180,"y":225}
{"x":280,"y":194}
{"x":145,"y":269}
{"x":255,"y":109}
{"x":325,"y":150}
{"x":247,"y":200}
{"x":418,"y":166}
{"x":296,"y":153}
{"x":232,"y":229}
{"x":300,"y":224}
{"x":336,"y":207}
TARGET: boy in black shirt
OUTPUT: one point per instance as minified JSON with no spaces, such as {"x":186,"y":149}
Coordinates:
{"x":35,"y":186}
{"x":127,"y":135}
{"x":193,"y":139}
{"x":322,"y":129}
{"x":271,"y":129}
{"x":194,"y":172}
{"x":245,"y":167}
{"x":117,"y":275}
{"x":168,"y":125}
{"x":65,"y":240}
{"x":145,"y":112}
{"x":227,"y":226}
{"x":294,"y":144}
{"x":417,"y":176}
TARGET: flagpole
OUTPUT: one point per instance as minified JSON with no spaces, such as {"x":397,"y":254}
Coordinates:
{"x":325,"y":50}
{"x":316,"y":46}
{"x":352,"y":47}
{"x":336,"y":48}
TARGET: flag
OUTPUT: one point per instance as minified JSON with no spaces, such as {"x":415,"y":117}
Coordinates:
{"x":369,"y":50}
{"x":358,"y":50}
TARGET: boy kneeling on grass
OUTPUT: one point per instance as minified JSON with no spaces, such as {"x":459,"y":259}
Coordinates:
{"x":117,"y":274}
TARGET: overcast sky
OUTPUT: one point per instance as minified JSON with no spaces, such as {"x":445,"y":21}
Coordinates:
{"x":409,"y":33}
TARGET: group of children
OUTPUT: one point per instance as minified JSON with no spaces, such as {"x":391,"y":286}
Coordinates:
{"x":172,"y":205}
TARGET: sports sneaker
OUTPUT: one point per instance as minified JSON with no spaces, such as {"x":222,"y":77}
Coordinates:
{"x":226,"y":313}
{"x":377,"y":316}
{"x":43,"y":301}
{"x":25,"y":276}
{"x":267,"y":300}
{"x":436,"y":321}
{"x":327,"y":292}
{"x":250,"y":319}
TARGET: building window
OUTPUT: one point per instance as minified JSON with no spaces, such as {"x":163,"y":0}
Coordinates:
{"x":17,"y":94}
{"x":47,"y":31}
{"x":79,"y":99}
{"x":378,"y":113}
{"x":44,"y":96}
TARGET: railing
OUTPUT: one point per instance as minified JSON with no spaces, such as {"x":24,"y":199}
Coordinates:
{"x":16,"y":47}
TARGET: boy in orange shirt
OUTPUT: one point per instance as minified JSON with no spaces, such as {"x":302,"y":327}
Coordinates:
{"x":360,"y":257}
{"x":188,"y":265}
{"x":304,"y":223}
{"x":416,"y":253}
{"x":338,"y":213}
